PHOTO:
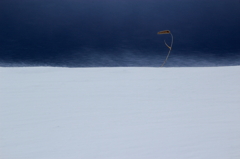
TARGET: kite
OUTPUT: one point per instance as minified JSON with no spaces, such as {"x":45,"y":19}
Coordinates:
{"x":170,"y":47}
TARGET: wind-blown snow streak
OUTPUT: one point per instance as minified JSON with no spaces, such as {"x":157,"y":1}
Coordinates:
{"x":69,"y":113}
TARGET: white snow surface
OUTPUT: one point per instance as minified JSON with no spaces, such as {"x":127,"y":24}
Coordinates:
{"x":120,"y":113}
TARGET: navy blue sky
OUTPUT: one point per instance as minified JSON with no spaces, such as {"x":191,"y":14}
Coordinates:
{"x":117,"y":32}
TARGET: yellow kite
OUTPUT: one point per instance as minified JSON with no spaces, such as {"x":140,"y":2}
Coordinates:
{"x":170,"y":47}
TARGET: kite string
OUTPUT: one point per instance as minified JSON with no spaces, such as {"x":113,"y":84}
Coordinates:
{"x":170,"y":48}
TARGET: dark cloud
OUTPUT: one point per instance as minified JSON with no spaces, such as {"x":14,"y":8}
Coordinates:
{"x":56,"y":31}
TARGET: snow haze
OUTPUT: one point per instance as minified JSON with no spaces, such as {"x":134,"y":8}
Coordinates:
{"x":120,"y":113}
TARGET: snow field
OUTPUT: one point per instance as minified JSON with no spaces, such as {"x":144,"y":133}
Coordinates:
{"x":120,"y":113}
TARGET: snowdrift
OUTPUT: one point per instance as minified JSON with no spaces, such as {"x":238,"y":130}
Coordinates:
{"x":73,"y":113}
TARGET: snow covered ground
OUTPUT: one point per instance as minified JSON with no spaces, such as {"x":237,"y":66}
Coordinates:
{"x":120,"y":113}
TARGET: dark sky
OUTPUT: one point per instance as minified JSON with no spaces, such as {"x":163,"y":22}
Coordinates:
{"x":117,"y":32}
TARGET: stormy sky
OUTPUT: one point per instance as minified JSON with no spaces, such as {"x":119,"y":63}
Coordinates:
{"x":118,"y":32}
